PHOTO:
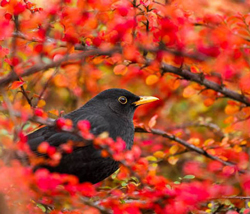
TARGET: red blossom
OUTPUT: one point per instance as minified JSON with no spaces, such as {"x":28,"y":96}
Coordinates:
{"x":62,"y":123}
{"x":38,"y":48}
{"x":84,"y":125}
{"x":8,"y":16}
{"x":123,"y":11}
{"x":39,"y":112}
{"x":97,"y":41}
{"x":19,"y":8}
{"x":4,"y":3}
{"x":87,"y":189}
{"x":43,"y":148}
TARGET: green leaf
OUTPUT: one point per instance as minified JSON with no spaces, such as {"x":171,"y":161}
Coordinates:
{"x":168,"y":186}
{"x":123,"y":184}
{"x":122,"y":201}
{"x":43,"y":208}
{"x":189,"y":177}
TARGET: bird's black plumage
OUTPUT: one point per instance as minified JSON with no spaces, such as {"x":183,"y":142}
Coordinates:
{"x":110,"y":111}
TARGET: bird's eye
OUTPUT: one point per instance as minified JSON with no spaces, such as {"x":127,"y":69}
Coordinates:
{"x":123,"y":100}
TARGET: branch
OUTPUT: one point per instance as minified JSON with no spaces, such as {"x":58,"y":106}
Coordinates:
{"x":43,"y":66}
{"x":200,"y":79}
{"x":51,"y":122}
{"x":29,"y":100}
{"x":188,"y":145}
{"x":166,"y":68}
{"x":196,"y":56}
{"x":46,"y":85}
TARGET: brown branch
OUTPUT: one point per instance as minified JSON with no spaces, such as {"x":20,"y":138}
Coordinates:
{"x":29,"y":100}
{"x":51,"y":122}
{"x":182,"y":53}
{"x":166,"y":68}
{"x":236,"y":197}
{"x":200,"y":79}
{"x":43,"y":66}
{"x":188,"y":146}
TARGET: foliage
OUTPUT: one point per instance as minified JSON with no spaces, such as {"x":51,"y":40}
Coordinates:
{"x":190,"y":153}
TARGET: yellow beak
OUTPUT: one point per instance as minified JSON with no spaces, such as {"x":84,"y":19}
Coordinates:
{"x":144,"y":100}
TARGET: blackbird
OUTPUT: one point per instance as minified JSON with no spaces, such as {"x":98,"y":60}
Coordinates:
{"x":110,"y":111}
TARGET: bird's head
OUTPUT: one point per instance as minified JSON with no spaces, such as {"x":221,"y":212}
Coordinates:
{"x":122,"y":101}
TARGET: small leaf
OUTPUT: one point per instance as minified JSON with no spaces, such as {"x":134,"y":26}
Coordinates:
{"x":189,"y":177}
{"x":209,"y":101}
{"x":159,"y":154}
{"x":248,"y":203}
{"x":174,"y":84}
{"x":43,"y":208}
{"x":195,"y":141}
{"x":231,"y":109}
{"x":124,"y":184}
{"x":173,"y":160}
{"x":16,"y":84}
{"x":152,"y":121}
{"x":120,"y":69}
{"x":123,"y":201}
{"x":152,"y":79}
{"x":194,"y":69}
{"x":189,"y":92}
{"x":237,"y":148}
{"x":41,"y":103}
{"x":209,"y":142}
{"x":173,"y":149}
{"x":151,"y":158}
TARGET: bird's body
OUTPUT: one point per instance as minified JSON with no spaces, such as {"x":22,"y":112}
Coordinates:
{"x":110,"y":111}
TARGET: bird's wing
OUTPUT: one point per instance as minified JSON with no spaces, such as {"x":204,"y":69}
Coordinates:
{"x":56,"y":138}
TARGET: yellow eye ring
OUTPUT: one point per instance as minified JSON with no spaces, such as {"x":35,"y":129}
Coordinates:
{"x":123,"y":100}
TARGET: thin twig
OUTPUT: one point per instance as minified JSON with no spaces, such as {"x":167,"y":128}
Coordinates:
{"x":51,"y":122}
{"x":26,"y":96}
{"x":43,"y":66}
{"x":188,"y":146}
{"x":166,"y":68}
{"x":47,"y":84}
